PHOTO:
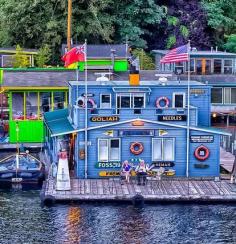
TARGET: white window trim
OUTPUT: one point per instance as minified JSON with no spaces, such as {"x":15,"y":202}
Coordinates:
{"x":108,"y":151}
{"x":106,"y":94}
{"x":232,"y":66}
{"x":224,"y":95}
{"x":173,"y":99}
{"x":102,"y":139}
{"x":109,"y":148}
{"x":162,"y":147}
{"x":231,"y":95}
{"x":194,"y":66}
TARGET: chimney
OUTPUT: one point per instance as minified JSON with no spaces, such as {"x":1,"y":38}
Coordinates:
{"x":216,"y":49}
{"x":211,"y":49}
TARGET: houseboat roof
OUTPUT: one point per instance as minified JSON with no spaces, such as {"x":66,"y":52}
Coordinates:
{"x":11,"y":50}
{"x":196,"y":53}
{"x":125,"y":83}
{"x":104,"y":51}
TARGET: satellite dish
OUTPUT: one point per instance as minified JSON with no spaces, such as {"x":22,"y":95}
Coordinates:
{"x":102,"y":78}
{"x":163,"y":80}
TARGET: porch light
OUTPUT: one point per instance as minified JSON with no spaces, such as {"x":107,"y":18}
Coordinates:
{"x":214,"y":115}
{"x":138,"y":123}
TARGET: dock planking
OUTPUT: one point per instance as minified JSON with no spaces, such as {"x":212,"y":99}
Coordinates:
{"x":163,"y":190}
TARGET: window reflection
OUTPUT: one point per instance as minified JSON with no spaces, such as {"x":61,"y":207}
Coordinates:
{"x":31,"y":105}
{"x":45,"y":102}
{"x":59,"y":99}
{"x":17,"y":106}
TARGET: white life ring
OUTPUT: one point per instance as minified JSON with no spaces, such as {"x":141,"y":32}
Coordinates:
{"x":81,"y":102}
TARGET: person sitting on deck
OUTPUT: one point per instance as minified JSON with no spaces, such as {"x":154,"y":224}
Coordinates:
{"x":141,"y":171}
{"x":126,"y":170}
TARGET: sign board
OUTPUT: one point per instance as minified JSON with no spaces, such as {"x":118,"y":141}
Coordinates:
{"x":88,"y":94}
{"x":108,"y":165}
{"x":201,"y":139}
{"x":104,"y":118}
{"x":163,"y":164}
{"x":172,"y":117}
{"x":109,"y":173}
{"x":197,"y":91}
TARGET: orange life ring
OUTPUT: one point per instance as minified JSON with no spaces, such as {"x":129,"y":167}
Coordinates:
{"x":136,"y":148}
{"x":198,"y":155}
{"x":165,"y":99}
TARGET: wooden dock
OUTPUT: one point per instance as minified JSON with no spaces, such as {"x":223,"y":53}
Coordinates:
{"x":170,"y":190}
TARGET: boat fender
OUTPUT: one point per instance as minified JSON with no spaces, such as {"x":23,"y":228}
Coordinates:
{"x":160,"y":99}
{"x":138,"y":200}
{"x":199,"y":156}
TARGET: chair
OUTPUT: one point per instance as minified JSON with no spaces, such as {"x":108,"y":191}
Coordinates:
{"x":156,"y":176}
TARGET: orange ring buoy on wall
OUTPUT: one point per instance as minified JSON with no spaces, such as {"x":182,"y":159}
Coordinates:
{"x":198,"y":150}
{"x":136,"y":148}
{"x":165,"y":99}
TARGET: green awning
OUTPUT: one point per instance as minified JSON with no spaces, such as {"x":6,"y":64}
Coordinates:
{"x":58,"y":123}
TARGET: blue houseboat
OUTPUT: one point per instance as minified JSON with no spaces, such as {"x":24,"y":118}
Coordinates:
{"x":148,"y":121}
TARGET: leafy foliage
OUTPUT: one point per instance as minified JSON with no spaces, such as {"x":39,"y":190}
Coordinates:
{"x":20,"y":60}
{"x":231,"y":43}
{"x":43,"y":56}
{"x":146,"y":61}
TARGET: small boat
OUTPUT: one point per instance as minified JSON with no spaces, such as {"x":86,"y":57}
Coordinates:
{"x":21,"y":168}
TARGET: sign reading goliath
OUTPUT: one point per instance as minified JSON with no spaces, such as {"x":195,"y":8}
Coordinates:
{"x":201,"y":139}
{"x":104,"y":118}
{"x":108,"y":165}
{"x":172,"y":117}
{"x":163,"y":164}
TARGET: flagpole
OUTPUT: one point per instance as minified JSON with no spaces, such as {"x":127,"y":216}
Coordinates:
{"x":86,"y":114}
{"x":188,"y":113}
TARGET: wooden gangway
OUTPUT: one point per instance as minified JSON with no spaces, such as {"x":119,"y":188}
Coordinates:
{"x":154,"y":191}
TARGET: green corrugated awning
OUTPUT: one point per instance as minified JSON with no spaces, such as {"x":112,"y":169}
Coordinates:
{"x":58,"y":123}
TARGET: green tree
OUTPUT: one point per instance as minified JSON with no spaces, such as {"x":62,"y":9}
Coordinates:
{"x":20,"y":60}
{"x":145,"y":59}
{"x":43,"y":56}
{"x":230,"y":45}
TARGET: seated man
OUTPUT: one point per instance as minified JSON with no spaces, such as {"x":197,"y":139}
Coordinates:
{"x":141,"y":171}
{"x":126,"y":170}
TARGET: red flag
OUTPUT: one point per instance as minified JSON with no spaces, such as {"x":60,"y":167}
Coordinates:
{"x":178,"y":54}
{"x":76,"y":54}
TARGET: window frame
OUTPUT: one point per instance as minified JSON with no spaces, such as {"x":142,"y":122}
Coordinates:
{"x":106,"y":94}
{"x":173,"y":99}
{"x":222,"y":96}
{"x":232,"y":65}
{"x":162,"y":148}
{"x":109,"y":148}
{"x":222,"y":65}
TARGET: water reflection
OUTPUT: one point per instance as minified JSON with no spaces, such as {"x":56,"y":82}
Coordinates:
{"x":22,"y":220}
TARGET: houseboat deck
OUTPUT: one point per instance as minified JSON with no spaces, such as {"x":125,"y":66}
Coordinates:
{"x":168,"y":190}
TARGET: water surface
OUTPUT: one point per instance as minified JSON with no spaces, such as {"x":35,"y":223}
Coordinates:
{"x":23,"y":220}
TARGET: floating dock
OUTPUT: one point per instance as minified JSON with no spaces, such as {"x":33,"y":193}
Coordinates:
{"x":170,"y":190}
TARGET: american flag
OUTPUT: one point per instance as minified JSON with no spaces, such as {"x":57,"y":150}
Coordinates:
{"x":179,"y":54}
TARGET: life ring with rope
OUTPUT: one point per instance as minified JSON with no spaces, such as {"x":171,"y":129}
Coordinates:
{"x":81,"y":102}
{"x":136,"y":148}
{"x":160,"y":99}
{"x":201,"y":153}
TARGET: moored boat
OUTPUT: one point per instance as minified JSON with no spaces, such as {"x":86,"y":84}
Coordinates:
{"x":21,"y":168}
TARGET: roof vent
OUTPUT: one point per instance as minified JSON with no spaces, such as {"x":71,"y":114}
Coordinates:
{"x":194,"y":49}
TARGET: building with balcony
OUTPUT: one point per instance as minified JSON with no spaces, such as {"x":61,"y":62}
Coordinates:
{"x":217,"y":69}
{"x":125,"y":122}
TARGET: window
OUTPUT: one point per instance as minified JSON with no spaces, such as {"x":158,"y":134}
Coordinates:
{"x":108,"y":150}
{"x":17,"y":106}
{"x":59,"y":100}
{"x":192,"y":65}
{"x":216,"y":95}
{"x":199,"y":66}
{"x":45,"y":102}
{"x":217,"y":66}
{"x":131,"y":100}
{"x":233,"y":95}
{"x":163,"y":149}
{"x":179,"y":67}
{"x":228,"y":66}
{"x":31,"y":105}
{"x":227,"y":96}
{"x":179,"y":100}
{"x":105,"y":101}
